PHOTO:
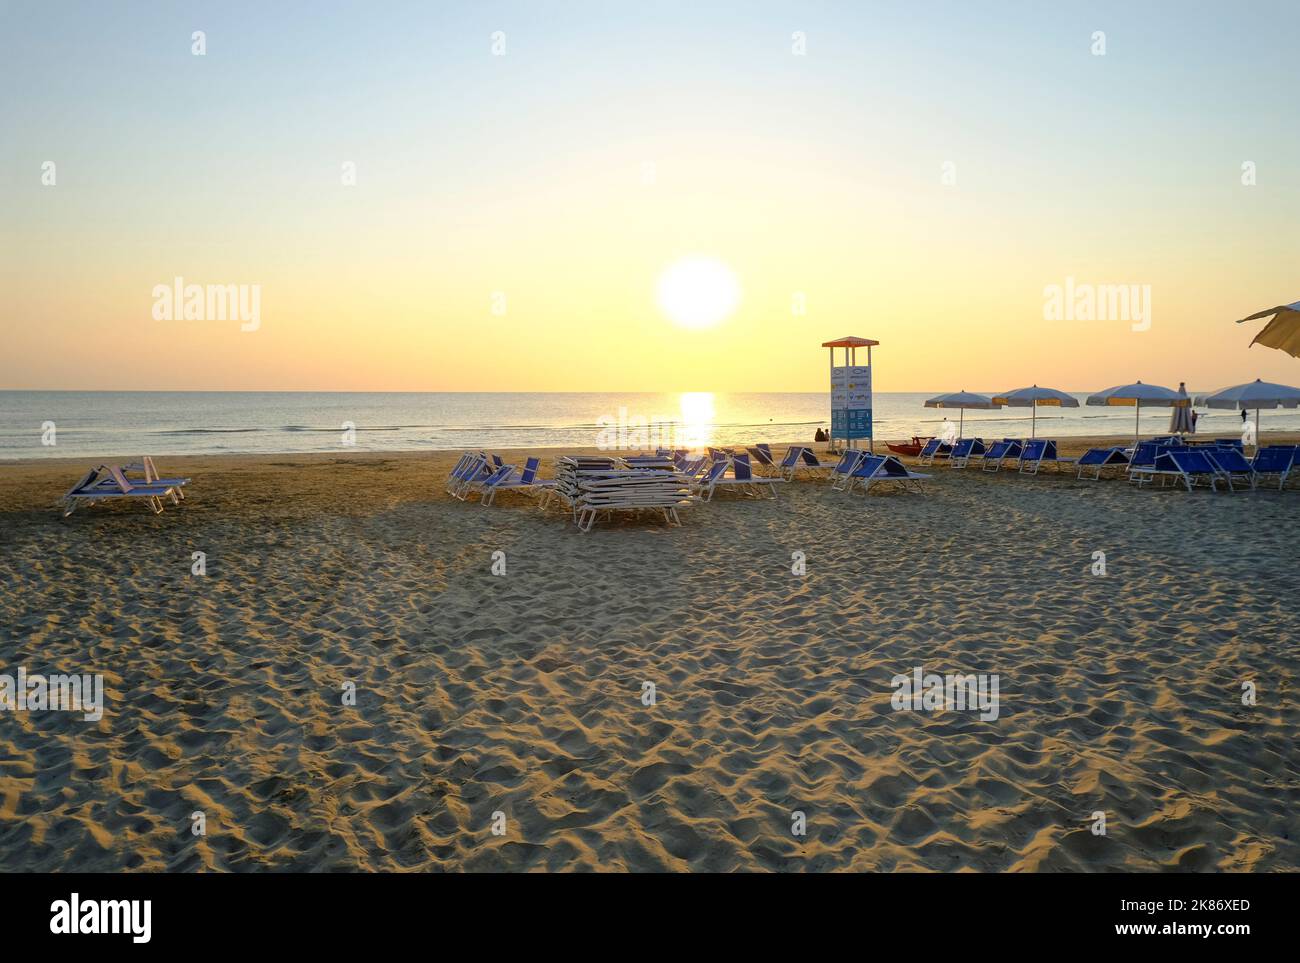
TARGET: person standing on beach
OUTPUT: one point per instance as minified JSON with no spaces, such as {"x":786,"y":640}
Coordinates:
{"x":1194,"y":417}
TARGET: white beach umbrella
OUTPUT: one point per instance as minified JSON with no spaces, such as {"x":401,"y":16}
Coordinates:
{"x":1035,"y":397}
{"x":962,"y":400}
{"x":1180,"y":423}
{"x":1253,"y":394}
{"x":1283,"y":332}
{"x":1137,"y":395}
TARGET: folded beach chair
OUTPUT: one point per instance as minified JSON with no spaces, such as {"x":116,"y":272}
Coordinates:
{"x":477,"y":468}
{"x":526,"y":481}
{"x":1099,"y":459}
{"x":1276,"y":460}
{"x":461,"y":469}
{"x":883,"y":469}
{"x":843,"y":470}
{"x":108,"y":483}
{"x":1232,"y":465}
{"x":1008,"y":449}
{"x":934,"y":448}
{"x":964,"y":450}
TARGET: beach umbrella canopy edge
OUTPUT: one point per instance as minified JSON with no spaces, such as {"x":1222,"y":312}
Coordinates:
{"x":1282,"y":332}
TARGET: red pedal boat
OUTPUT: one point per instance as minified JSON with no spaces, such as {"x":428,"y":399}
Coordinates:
{"x":911,"y":449}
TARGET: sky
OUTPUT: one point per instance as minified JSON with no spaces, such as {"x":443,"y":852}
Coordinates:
{"x":523,"y":175}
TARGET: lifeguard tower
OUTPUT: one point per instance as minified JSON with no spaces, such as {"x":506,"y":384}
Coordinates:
{"x":851,"y":392}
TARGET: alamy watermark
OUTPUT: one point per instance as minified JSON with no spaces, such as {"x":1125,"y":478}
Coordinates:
{"x":923,"y":691}
{"x":1098,"y":302}
{"x":209,"y":302}
{"x":53,"y":693}
{"x":637,"y":433}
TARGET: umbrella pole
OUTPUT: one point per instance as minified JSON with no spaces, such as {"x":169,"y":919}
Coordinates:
{"x":1257,"y":429}
{"x":1033,"y":421}
{"x":961,"y":429}
{"x":1137,"y":420}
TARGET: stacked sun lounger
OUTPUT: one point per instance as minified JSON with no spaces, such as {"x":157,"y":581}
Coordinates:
{"x":1193,"y":465}
{"x":106,"y":483}
{"x":592,"y":486}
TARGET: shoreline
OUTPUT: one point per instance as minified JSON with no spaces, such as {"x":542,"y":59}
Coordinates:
{"x":1066,"y":445}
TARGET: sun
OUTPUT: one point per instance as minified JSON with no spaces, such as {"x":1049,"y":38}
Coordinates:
{"x":698,"y":292}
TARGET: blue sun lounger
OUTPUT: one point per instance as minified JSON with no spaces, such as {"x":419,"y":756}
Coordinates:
{"x":1099,"y":459}
{"x":965,"y":450}
{"x":742,"y":479}
{"x":485,"y":483}
{"x":1008,"y":449}
{"x":1232,"y":465}
{"x":762,"y":455}
{"x":842,"y":473}
{"x":743,"y":473}
{"x":527,"y":481}
{"x":108,"y":483}
{"x":472,"y":467}
{"x":934,"y":448}
{"x":883,"y":469}
{"x":1185,"y":465}
{"x":151,"y":477}
{"x":1276,"y":460}
{"x":798,"y":458}
{"x":1143,"y":459}
{"x":1036,"y":452}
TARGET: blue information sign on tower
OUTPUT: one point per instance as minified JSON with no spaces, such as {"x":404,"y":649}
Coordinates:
{"x":851,"y":392}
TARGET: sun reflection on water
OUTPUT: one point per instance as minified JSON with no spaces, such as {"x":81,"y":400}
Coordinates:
{"x":697,"y":413}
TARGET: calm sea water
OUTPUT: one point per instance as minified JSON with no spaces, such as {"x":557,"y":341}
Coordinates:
{"x":162,"y":423}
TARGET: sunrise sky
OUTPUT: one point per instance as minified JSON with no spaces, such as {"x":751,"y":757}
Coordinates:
{"x":613,"y":140}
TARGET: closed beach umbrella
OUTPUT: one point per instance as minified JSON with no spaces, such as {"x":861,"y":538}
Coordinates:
{"x":962,"y":400}
{"x":1283,"y":332}
{"x":1254,"y":394}
{"x":1181,"y":422}
{"x":1138,"y":395}
{"x":1033,"y":397}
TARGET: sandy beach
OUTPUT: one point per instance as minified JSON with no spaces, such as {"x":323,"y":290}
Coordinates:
{"x":522,"y":693}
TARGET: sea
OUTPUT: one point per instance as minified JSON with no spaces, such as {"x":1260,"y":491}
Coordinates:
{"x":52,"y":424}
